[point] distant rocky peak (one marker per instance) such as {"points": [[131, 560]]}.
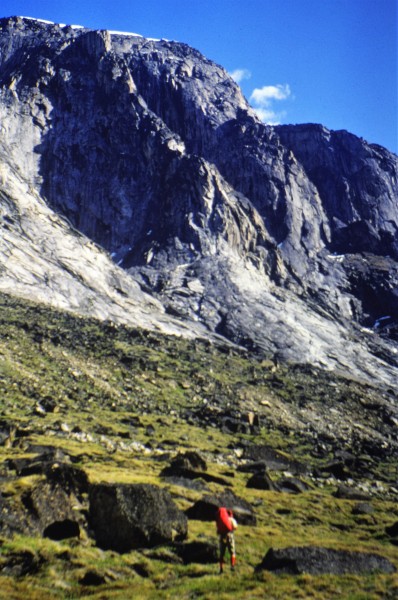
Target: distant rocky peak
{"points": [[282, 239]]}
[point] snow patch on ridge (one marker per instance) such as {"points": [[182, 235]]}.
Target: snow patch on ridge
{"points": [[38, 20], [50, 22], [126, 33]]}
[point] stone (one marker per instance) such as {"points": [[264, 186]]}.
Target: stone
{"points": [[273, 460], [347, 493], [123, 516], [54, 510], [199, 551], [363, 508], [188, 466], [259, 466], [316, 560], [336, 468], [51, 508], [206, 508], [189, 460], [20, 564], [262, 481], [293, 485]]}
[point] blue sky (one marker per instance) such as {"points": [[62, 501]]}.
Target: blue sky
{"points": [[322, 61]]}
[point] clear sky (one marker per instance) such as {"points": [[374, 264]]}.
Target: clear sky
{"points": [[322, 61]]}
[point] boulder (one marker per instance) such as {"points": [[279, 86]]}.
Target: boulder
{"points": [[316, 560], [253, 467], [262, 481], [347, 493], [189, 460], [362, 508], [206, 508], [127, 516], [202, 552], [274, 460], [236, 422], [52, 507], [191, 465], [19, 564], [337, 468], [293, 485], [54, 511]]}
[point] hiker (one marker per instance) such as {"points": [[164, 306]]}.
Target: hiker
{"points": [[226, 526]]}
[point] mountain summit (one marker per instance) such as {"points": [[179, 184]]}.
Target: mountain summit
{"points": [[137, 185]]}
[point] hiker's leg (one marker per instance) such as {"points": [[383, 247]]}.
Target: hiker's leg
{"points": [[222, 548], [231, 548]]}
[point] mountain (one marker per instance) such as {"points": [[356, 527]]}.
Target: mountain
{"points": [[196, 310], [138, 185]]}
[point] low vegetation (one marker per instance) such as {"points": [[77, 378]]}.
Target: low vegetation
{"points": [[123, 402]]}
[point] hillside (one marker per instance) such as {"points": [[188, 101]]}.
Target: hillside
{"points": [[138, 185], [196, 310], [119, 405]]}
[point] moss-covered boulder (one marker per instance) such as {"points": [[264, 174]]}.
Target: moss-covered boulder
{"points": [[316, 560], [127, 516]]}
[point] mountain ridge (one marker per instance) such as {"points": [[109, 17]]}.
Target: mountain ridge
{"points": [[277, 238]]}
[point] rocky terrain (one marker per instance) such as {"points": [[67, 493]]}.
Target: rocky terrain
{"points": [[196, 309], [117, 445], [283, 240]]}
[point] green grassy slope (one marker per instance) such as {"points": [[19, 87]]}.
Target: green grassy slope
{"points": [[116, 399]]}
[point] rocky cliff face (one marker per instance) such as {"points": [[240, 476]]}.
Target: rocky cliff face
{"points": [[282, 239]]}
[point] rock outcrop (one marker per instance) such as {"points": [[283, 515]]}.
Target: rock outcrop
{"points": [[124, 517], [206, 508], [137, 184], [316, 560]]}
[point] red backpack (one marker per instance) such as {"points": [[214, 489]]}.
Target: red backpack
{"points": [[223, 521]]}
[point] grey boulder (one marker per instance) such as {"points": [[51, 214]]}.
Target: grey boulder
{"points": [[123, 517]]}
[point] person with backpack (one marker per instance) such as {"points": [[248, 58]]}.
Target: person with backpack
{"points": [[226, 526]]}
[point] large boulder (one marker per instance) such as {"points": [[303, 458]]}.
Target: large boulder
{"points": [[50, 507], [273, 460], [127, 516], [206, 508], [54, 510], [317, 561]]}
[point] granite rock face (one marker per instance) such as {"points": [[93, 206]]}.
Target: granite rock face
{"points": [[282, 239]]}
